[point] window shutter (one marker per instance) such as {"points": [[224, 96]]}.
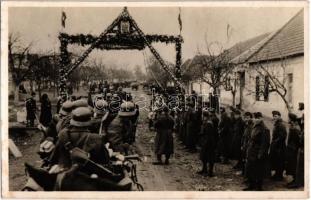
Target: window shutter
{"points": [[266, 89], [257, 88]]}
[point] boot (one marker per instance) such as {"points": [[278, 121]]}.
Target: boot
{"points": [[167, 157], [251, 186], [159, 160], [204, 169], [210, 170]]}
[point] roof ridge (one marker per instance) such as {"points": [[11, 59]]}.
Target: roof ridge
{"points": [[276, 33]]}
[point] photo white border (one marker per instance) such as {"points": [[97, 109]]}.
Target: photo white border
{"points": [[145, 195]]}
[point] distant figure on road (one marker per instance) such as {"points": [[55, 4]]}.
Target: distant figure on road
{"points": [[46, 112], [31, 108], [164, 143]]}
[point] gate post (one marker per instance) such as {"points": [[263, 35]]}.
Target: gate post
{"points": [[64, 62]]}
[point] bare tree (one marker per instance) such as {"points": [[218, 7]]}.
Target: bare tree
{"points": [[18, 65]]}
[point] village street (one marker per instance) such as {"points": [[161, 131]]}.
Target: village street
{"points": [[180, 175]]}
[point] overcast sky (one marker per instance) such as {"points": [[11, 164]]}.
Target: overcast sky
{"points": [[42, 26]]}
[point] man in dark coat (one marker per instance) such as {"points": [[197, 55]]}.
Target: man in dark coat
{"points": [[248, 119], [225, 134], [193, 128], [78, 135], [278, 146], [238, 130], [46, 110], [215, 121], [292, 147], [257, 153], [164, 143], [208, 138], [31, 109]]}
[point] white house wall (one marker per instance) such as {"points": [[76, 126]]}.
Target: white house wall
{"points": [[294, 66]]}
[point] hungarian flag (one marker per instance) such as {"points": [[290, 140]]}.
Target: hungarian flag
{"points": [[64, 19], [179, 21]]}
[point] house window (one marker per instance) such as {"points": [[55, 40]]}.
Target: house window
{"points": [[290, 88], [262, 88]]}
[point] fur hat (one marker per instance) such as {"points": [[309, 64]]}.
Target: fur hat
{"points": [[275, 112], [248, 114], [258, 115], [292, 117]]}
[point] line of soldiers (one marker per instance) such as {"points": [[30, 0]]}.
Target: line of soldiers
{"points": [[107, 125], [244, 138]]}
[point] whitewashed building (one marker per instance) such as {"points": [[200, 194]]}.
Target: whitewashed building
{"points": [[276, 57]]}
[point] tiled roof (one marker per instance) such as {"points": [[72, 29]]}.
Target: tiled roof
{"points": [[244, 48], [287, 41]]}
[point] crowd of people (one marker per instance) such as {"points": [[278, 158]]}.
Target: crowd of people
{"points": [[220, 137], [233, 135], [105, 124]]}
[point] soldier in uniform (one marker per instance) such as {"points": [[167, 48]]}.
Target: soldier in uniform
{"points": [[31, 109], [238, 130], [193, 127], [257, 153], [248, 119], [225, 135], [164, 126], [208, 138], [292, 147], [99, 120], [119, 130], [278, 146]]}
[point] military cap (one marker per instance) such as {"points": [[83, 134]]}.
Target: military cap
{"points": [[205, 112], [292, 117], [248, 114], [222, 109], [258, 115], [108, 94], [80, 103], [99, 96], [100, 107], [66, 108], [237, 112], [211, 110], [81, 117], [275, 112], [127, 109]]}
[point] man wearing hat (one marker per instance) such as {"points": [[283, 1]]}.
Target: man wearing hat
{"points": [[238, 130], [257, 153], [193, 127], [215, 120], [31, 108], [248, 119], [292, 147], [78, 135], [119, 130], [99, 120], [225, 134], [208, 138], [64, 116], [164, 126], [278, 146]]}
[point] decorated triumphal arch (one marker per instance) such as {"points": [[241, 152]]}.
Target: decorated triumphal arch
{"points": [[122, 34]]}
